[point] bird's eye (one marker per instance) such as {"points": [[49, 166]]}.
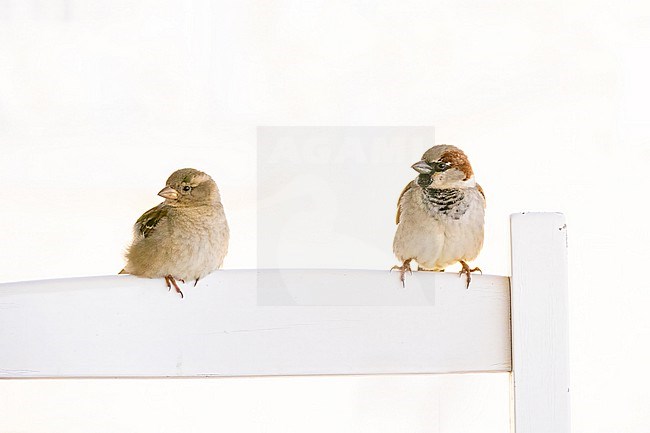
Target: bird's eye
{"points": [[441, 166], [186, 188]]}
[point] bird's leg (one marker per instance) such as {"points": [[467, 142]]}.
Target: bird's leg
{"points": [[195, 282], [467, 271], [170, 279], [406, 266]]}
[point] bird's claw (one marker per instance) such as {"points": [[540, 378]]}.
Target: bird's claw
{"points": [[402, 270], [171, 281], [468, 272]]}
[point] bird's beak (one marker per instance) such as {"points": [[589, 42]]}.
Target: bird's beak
{"points": [[168, 192], [422, 167]]}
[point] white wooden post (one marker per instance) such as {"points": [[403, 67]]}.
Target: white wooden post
{"points": [[539, 298], [297, 322]]}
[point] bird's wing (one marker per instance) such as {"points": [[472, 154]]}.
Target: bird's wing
{"points": [[399, 200], [482, 193], [146, 224]]}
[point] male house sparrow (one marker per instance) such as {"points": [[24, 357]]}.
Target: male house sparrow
{"points": [[183, 238], [440, 214]]}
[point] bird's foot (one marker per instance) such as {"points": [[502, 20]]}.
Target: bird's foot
{"points": [[406, 266], [468, 272], [171, 281]]}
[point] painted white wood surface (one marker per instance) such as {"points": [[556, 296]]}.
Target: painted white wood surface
{"points": [[267, 322], [540, 346]]}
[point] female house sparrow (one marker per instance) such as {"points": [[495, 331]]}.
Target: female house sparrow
{"points": [[183, 238], [440, 214]]}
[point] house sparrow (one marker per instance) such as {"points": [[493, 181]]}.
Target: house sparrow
{"points": [[183, 238], [440, 214]]}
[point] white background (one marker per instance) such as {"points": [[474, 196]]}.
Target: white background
{"points": [[101, 100]]}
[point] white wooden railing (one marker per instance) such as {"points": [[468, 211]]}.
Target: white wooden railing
{"points": [[303, 322]]}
